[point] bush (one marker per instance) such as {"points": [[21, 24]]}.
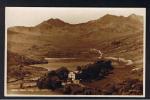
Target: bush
{"points": [[53, 79]]}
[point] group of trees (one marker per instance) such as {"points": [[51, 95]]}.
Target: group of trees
{"points": [[95, 71], [53, 79]]}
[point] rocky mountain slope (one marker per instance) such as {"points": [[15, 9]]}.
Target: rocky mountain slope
{"points": [[56, 38]]}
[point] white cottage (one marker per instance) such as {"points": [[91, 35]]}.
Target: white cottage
{"points": [[72, 76]]}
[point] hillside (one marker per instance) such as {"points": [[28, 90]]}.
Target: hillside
{"points": [[56, 38]]}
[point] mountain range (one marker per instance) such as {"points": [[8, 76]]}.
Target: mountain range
{"points": [[56, 38]]}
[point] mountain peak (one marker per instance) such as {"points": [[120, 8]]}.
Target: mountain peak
{"points": [[136, 17], [109, 16], [133, 16], [55, 21]]}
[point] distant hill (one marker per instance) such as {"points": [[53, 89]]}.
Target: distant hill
{"points": [[56, 38]]}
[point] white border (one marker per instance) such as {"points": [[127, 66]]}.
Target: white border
{"points": [[15, 95]]}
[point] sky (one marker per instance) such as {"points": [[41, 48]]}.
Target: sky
{"points": [[31, 16]]}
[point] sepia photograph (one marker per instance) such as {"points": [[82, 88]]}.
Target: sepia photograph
{"points": [[73, 51]]}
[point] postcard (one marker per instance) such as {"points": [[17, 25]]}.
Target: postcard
{"points": [[73, 51]]}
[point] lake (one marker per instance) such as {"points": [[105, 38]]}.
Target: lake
{"points": [[70, 63]]}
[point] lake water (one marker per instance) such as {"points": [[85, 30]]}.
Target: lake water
{"points": [[70, 63]]}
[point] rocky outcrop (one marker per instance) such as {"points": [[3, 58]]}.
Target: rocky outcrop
{"points": [[130, 87], [127, 87], [16, 59]]}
